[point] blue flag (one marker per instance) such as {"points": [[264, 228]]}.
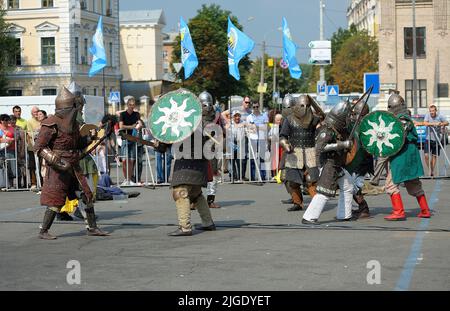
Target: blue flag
{"points": [[239, 45], [97, 50], [289, 50], [188, 56]]}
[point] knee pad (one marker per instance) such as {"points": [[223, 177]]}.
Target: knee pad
{"points": [[179, 193], [312, 175]]}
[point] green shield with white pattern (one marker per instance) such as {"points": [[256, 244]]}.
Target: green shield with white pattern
{"points": [[175, 116], [381, 133]]}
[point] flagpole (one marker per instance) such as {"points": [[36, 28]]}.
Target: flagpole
{"points": [[104, 89]]}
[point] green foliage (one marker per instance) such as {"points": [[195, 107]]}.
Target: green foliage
{"points": [[357, 55], [285, 83], [209, 35], [8, 48]]}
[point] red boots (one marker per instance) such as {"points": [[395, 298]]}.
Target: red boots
{"points": [[398, 212], [424, 210]]}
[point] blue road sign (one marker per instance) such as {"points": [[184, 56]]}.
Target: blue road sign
{"points": [[372, 78], [333, 90], [114, 97], [321, 87]]}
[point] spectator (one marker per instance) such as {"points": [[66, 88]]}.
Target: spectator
{"points": [[436, 124], [257, 129], [275, 148], [7, 134], [245, 110], [17, 112], [130, 122], [236, 140], [42, 115], [19, 136], [33, 126], [163, 165]]}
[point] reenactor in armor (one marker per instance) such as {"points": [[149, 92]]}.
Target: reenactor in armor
{"points": [[209, 116], [297, 137], [59, 143], [288, 102], [405, 166], [362, 162], [189, 176], [332, 145]]}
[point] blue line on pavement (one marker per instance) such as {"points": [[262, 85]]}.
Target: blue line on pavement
{"points": [[404, 281]]}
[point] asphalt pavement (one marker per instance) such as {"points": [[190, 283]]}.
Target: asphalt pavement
{"points": [[258, 246]]}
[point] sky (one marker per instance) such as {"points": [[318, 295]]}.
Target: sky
{"points": [[261, 19]]}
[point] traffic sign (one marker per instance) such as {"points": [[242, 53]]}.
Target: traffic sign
{"points": [[177, 66], [283, 64], [333, 90], [114, 97], [321, 87], [372, 78], [262, 88], [320, 52]]}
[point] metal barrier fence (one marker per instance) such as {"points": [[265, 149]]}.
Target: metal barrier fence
{"points": [[237, 164]]}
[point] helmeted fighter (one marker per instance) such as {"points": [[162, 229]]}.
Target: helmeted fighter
{"points": [[59, 143], [332, 145], [297, 137]]}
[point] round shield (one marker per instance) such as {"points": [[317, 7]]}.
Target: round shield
{"points": [[381, 133], [175, 116]]}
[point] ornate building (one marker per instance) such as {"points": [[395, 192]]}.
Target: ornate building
{"points": [[54, 38]]}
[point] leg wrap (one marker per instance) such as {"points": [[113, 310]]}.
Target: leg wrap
{"points": [[49, 217], [90, 217]]}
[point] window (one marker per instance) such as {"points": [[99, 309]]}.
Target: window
{"points": [[48, 51], [16, 59], [95, 91], [420, 42], [47, 3], [442, 90], [49, 92], [85, 52], [94, 6], [83, 5], [129, 41], [77, 51], [110, 54], [165, 54], [13, 4], [15, 92], [108, 8], [139, 42], [421, 93]]}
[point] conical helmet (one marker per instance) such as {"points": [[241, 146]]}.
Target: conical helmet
{"points": [[65, 99]]}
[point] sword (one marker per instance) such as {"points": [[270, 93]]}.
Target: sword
{"points": [[365, 96], [136, 139], [317, 107]]}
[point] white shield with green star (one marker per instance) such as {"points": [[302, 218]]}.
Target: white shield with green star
{"points": [[175, 116], [381, 133]]}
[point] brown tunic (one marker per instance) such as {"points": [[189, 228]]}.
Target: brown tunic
{"points": [[57, 184]]}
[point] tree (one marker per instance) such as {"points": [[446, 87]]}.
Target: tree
{"points": [[9, 49], [357, 55], [285, 83], [209, 35]]}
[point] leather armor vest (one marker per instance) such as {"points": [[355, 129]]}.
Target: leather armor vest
{"points": [[300, 136]]}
